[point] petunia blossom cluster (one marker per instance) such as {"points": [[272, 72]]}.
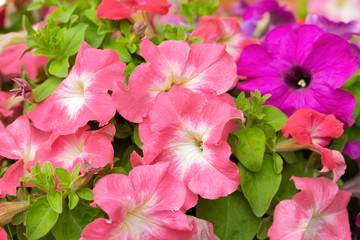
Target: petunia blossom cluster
{"points": [[199, 120]]}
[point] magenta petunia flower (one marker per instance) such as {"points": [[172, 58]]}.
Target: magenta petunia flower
{"points": [[190, 131], [83, 95], [345, 30], [317, 212], [301, 69], [144, 205]]}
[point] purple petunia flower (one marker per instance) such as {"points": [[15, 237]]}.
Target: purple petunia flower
{"points": [[345, 30], [254, 12], [301, 69]]}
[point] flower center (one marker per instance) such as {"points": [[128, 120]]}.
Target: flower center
{"points": [[297, 77]]}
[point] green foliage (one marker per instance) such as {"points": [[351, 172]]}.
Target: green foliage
{"points": [[43, 178], [231, 216], [260, 187], [40, 219], [192, 10], [72, 222], [250, 148], [41, 92]]}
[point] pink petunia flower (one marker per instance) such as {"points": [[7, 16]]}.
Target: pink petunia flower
{"points": [[67, 151], [317, 212], [226, 31], [3, 234], [205, 229], [144, 205], [190, 131], [200, 67], [302, 68], [11, 63], [20, 140], [83, 95], [313, 130], [117, 10]]}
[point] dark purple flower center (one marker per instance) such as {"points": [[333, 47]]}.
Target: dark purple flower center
{"points": [[297, 77]]}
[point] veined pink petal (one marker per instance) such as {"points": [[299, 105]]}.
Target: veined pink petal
{"points": [[202, 68], [20, 140], [144, 205], [317, 212], [188, 130], [11, 179], [226, 31], [83, 95], [69, 150], [117, 10]]}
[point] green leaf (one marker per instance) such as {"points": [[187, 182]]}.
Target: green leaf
{"points": [[339, 143], [125, 28], [40, 219], [93, 38], [123, 130], [21, 232], [289, 157], [86, 194], [59, 67], [72, 39], [28, 26], [73, 200], [76, 170], [44, 52], [273, 117], [47, 169], [28, 107], [55, 200], [260, 187], [120, 47], [19, 218], [250, 148], [231, 216], [46, 88], [136, 137], [71, 223], [63, 175], [34, 5], [287, 188], [278, 163], [63, 14], [263, 228]]}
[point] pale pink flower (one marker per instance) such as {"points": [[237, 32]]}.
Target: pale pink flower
{"points": [[313, 130], [190, 131], [144, 205], [83, 95], [67, 151], [226, 31], [20, 140], [205, 229], [11, 63], [200, 67], [317, 212]]}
